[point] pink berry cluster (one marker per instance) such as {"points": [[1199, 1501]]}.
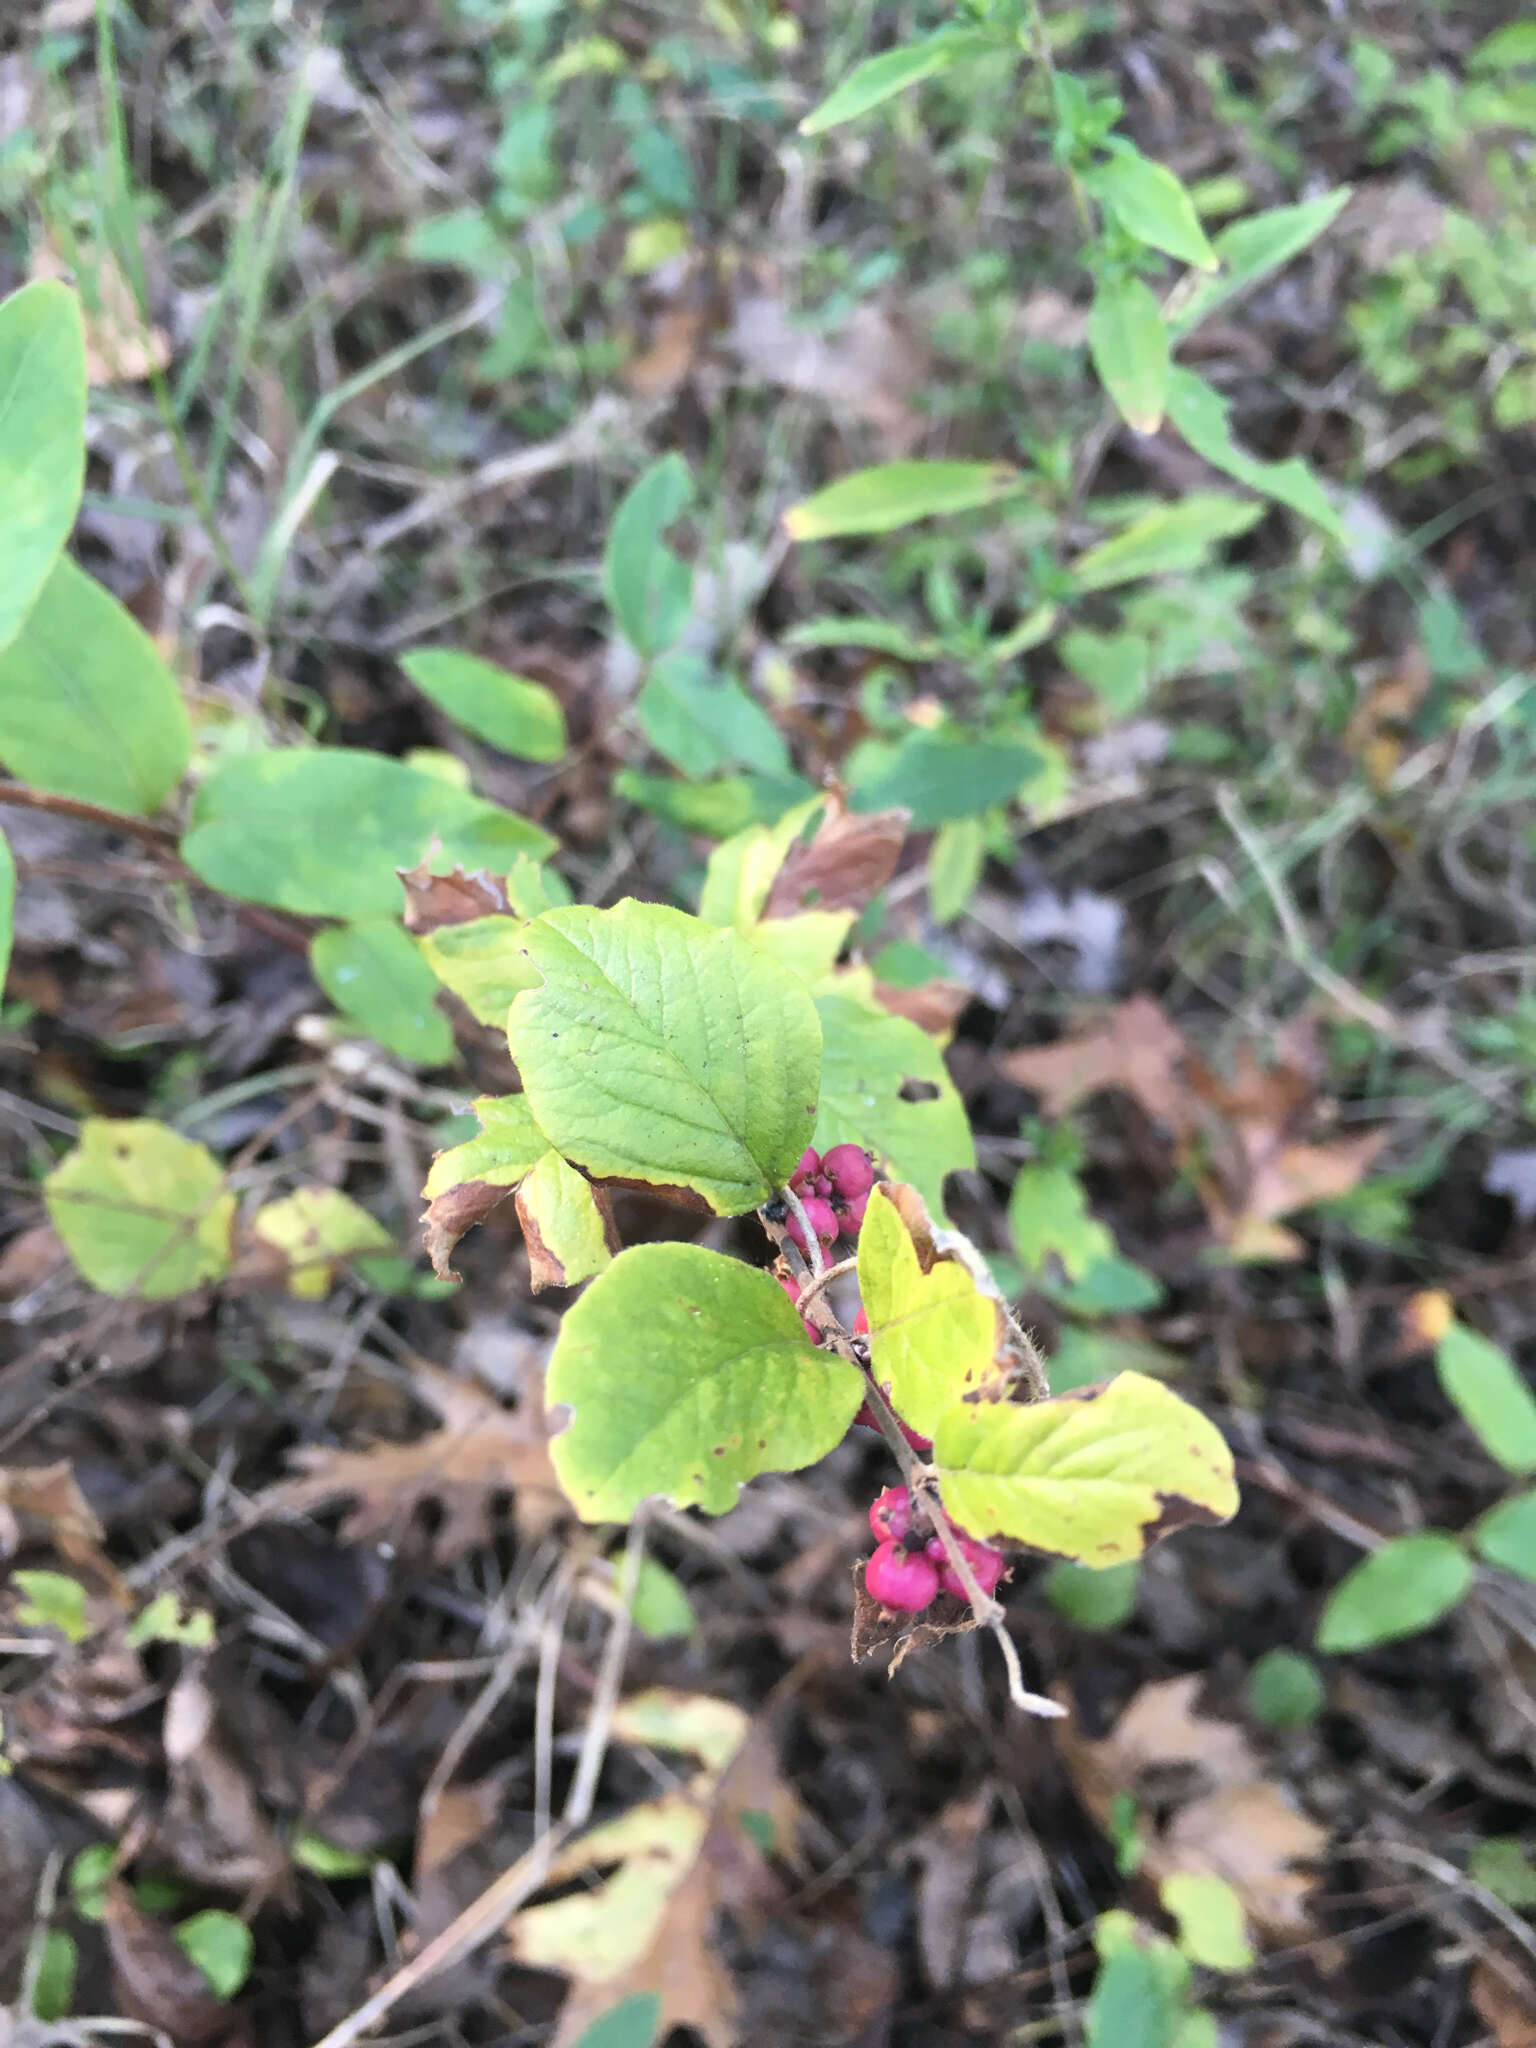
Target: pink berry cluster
{"points": [[833, 1187], [910, 1569]]}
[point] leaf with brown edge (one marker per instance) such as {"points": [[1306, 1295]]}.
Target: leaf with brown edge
{"points": [[845, 864], [482, 1450], [645, 1925], [568, 1226], [468, 1181], [933, 1006], [459, 897], [1096, 1475]]}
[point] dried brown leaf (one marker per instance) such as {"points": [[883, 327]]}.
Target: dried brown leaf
{"points": [[482, 1450], [459, 897], [448, 1216], [1504, 1996], [869, 369], [933, 1006], [1136, 1048], [1223, 1817], [44, 1502], [119, 347], [845, 865]]}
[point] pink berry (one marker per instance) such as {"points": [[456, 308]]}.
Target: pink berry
{"points": [[900, 1579], [890, 1514], [809, 1167], [793, 1292], [853, 1215], [861, 1323], [850, 1171], [987, 1565], [822, 1186], [819, 1215]]}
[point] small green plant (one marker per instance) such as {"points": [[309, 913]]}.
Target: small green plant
{"points": [[1412, 1582], [1143, 1993], [727, 1057]]}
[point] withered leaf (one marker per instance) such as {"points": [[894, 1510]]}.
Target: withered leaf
{"points": [[847, 862], [1136, 1048], [453, 1213], [459, 897], [482, 1450]]}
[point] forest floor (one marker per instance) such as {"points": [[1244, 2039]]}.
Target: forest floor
{"points": [[430, 285]]}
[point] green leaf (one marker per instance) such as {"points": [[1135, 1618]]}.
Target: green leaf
{"points": [[53, 1988], [807, 944], [1200, 414], [164, 1620], [1128, 2007], [1250, 249], [507, 711], [87, 706], [89, 1875], [1129, 346], [7, 905], [688, 1374], [42, 439], [1209, 1915], [315, 1228], [662, 1610], [52, 1600], [716, 809], [1048, 1216], [649, 591], [955, 863], [1172, 537], [879, 636], [1502, 1864], [1285, 1690], [880, 78], [141, 1209], [1506, 49], [509, 1147], [661, 1049], [324, 830], [483, 963], [743, 868], [374, 973], [533, 888], [702, 723], [1409, 1584], [933, 1334], [1083, 1356], [939, 776], [1150, 203], [868, 1058], [1112, 1286], [895, 494], [221, 1946], [1098, 1600], [563, 1227], [1489, 1393], [329, 1859], [1117, 667], [1096, 1475], [1506, 1535], [632, 2023]]}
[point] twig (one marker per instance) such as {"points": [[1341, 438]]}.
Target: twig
{"points": [[22, 796], [812, 1241], [479, 1920], [824, 1280], [989, 1612], [610, 1676]]}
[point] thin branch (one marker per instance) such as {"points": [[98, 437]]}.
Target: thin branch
{"points": [[812, 1241]]}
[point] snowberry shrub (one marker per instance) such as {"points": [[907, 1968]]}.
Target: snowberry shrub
{"points": [[735, 1065]]}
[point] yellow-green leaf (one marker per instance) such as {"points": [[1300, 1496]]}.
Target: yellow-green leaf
{"points": [[511, 712], [1095, 1475], [1129, 346], [895, 494], [563, 1228], [141, 1209], [687, 1374], [1491, 1396], [934, 1335], [483, 963], [314, 1229], [509, 1146], [661, 1049]]}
